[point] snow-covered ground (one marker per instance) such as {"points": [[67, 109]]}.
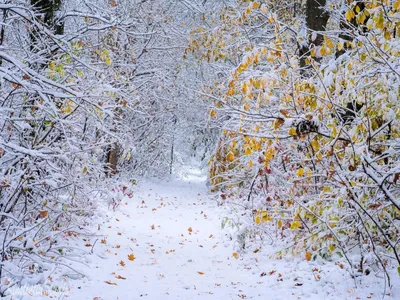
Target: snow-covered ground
{"points": [[166, 242]]}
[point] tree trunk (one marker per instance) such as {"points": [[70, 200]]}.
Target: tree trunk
{"points": [[48, 9], [316, 19], [112, 160]]}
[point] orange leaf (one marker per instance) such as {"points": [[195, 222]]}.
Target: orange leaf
{"points": [[131, 257], [190, 229], [111, 283], [43, 213], [308, 256], [201, 273], [122, 263], [235, 255], [120, 277]]}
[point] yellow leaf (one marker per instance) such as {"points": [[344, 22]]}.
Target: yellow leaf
{"points": [[230, 157], [52, 65], [315, 145], [250, 163], [131, 257], [235, 255], [331, 248], [213, 113], [300, 172], [279, 224], [269, 154], [349, 15], [278, 123], [295, 225], [396, 5], [247, 150], [292, 131], [108, 61], [257, 219]]}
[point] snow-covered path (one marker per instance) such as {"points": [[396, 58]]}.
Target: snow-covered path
{"points": [[166, 242], [174, 233]]}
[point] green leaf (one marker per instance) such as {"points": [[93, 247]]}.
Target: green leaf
{"points": [[398, 270]]}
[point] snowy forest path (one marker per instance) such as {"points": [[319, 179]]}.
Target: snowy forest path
{"points": [[174, 232], [166, 242]]}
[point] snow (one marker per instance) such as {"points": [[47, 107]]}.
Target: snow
{"points": [[173, 229]]}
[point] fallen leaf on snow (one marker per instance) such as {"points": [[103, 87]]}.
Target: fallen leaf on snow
{"points": [[190, 229], [131, 257], [308, 255], [235, 255], [120, 277], [122, 263], [110, 283], [201, 273]]}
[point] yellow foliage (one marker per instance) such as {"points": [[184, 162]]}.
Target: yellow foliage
{"points": [[300, 172], [295, 225], [230, 157], [349, 15]]}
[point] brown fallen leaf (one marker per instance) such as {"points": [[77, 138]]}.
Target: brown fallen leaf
{"points": [[110, 283], [131, 257], [190, 229], [152, 227], [298, 284], [210, 236], [119, 233], [122, 263], [120, 277], [88, 245], [201, 273], [117, 246]]}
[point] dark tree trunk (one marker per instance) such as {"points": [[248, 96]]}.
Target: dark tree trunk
{"points": [[316, 19], [112, 160], [48, 9]]}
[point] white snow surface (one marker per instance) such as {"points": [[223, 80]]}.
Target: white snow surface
{"points": [[173, 229]]}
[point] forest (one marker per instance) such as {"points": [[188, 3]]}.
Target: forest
{"points": [[290, 108]]}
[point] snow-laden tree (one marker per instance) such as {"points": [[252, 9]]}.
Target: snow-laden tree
{"points": [[88, 89], [309, 113]]}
